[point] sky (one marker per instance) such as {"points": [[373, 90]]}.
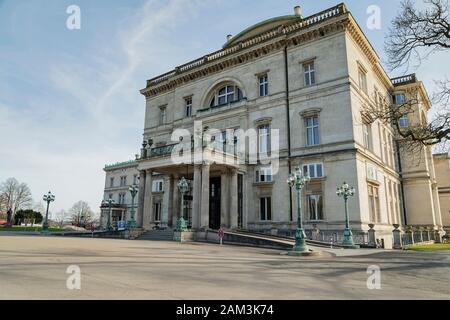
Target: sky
{"points": [[70, 101]]}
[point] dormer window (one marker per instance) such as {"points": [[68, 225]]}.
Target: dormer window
{"points": [[226, 95]]}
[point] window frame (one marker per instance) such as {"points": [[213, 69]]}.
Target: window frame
{"points": [[309, 73], [317, 217], [264, 130], [188, 107], [264, 175], [162, 115], [362, 79], [263, 85], [315, 165], [313, 127], [266, 204]]}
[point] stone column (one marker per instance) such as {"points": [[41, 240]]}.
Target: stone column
{"points": [[397, 237], [141, 197], [170, 201], [148, 201], [372, 242], [165, 203], [224, 201], [233, 199], [204, 210], [176, 201], [196, 195]]}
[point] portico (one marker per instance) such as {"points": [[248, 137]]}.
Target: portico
{"points": [[210, 203]]}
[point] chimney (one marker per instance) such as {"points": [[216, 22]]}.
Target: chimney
{"points": [[298, 11], [229, 37]]}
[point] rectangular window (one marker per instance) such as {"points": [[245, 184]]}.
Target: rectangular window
{"points": [[158, 186], [135, 179], [367, 136], [310, 75], [264, 139], [403, 122], [362, 79], [264, 175], [315, 207], [111, 182], [266, 209], [312, 131], [263, 86], [157, 211], [188, 107], [123, 181], [313, 170], [121, 198], [374, 203], [162, 115], [399, 98], [110, 196]]}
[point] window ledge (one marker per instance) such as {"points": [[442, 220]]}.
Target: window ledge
{"points": [[263, 184]]}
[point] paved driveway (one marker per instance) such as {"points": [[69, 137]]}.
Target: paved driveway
{"points": [[35, 268]]}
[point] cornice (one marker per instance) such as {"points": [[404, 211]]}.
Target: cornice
{"points": [[308, 29]]}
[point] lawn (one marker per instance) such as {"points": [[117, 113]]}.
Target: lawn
{"points": [[431, 247], [29, 229]]}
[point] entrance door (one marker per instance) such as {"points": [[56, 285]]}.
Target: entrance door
{"points": [[214, 203]]}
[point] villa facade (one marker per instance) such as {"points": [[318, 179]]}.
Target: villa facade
{"points": [[294, 89]]}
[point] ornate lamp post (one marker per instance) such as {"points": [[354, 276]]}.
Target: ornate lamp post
{"points": [[47, 198], [110, 203], [298, 180], [132, 222], [183, 187], [345, 191]]}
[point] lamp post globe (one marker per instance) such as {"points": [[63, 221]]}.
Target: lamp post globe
{"points": [[298, 181], [346, 191], [183, 187], [49, 197]]}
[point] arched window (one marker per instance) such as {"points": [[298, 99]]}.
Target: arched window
{"points": [[226, 94]]}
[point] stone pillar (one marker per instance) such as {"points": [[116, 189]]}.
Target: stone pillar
{"points": [[224, 202], [148, 201], [372, 242], [141, 197], [170, 189], [176, 201], [233, 200], [204, 211], [165, 203], [196, 195], [397, 236]]}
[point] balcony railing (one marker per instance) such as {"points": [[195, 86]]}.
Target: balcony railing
{"points": [[410, 78], [164, 151]]}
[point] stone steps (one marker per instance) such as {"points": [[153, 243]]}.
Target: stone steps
{"points": [[157, 235]]}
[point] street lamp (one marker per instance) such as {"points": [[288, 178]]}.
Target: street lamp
{"points": [[345, 191], [47, 198], [110, 203], [298, 180], [183, 187], [133, 190]]}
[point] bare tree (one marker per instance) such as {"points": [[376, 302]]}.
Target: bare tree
{"points": [[15, 195], [81, 214], [414, 36], [60, 217]]}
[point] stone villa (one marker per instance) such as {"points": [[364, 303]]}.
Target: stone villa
{"points": [[300, 83]]}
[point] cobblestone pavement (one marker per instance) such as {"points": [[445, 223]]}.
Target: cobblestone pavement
{"points": [[35, 268]]}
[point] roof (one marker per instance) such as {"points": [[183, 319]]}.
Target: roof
{"points": [[125, 164], [262, 27]]}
